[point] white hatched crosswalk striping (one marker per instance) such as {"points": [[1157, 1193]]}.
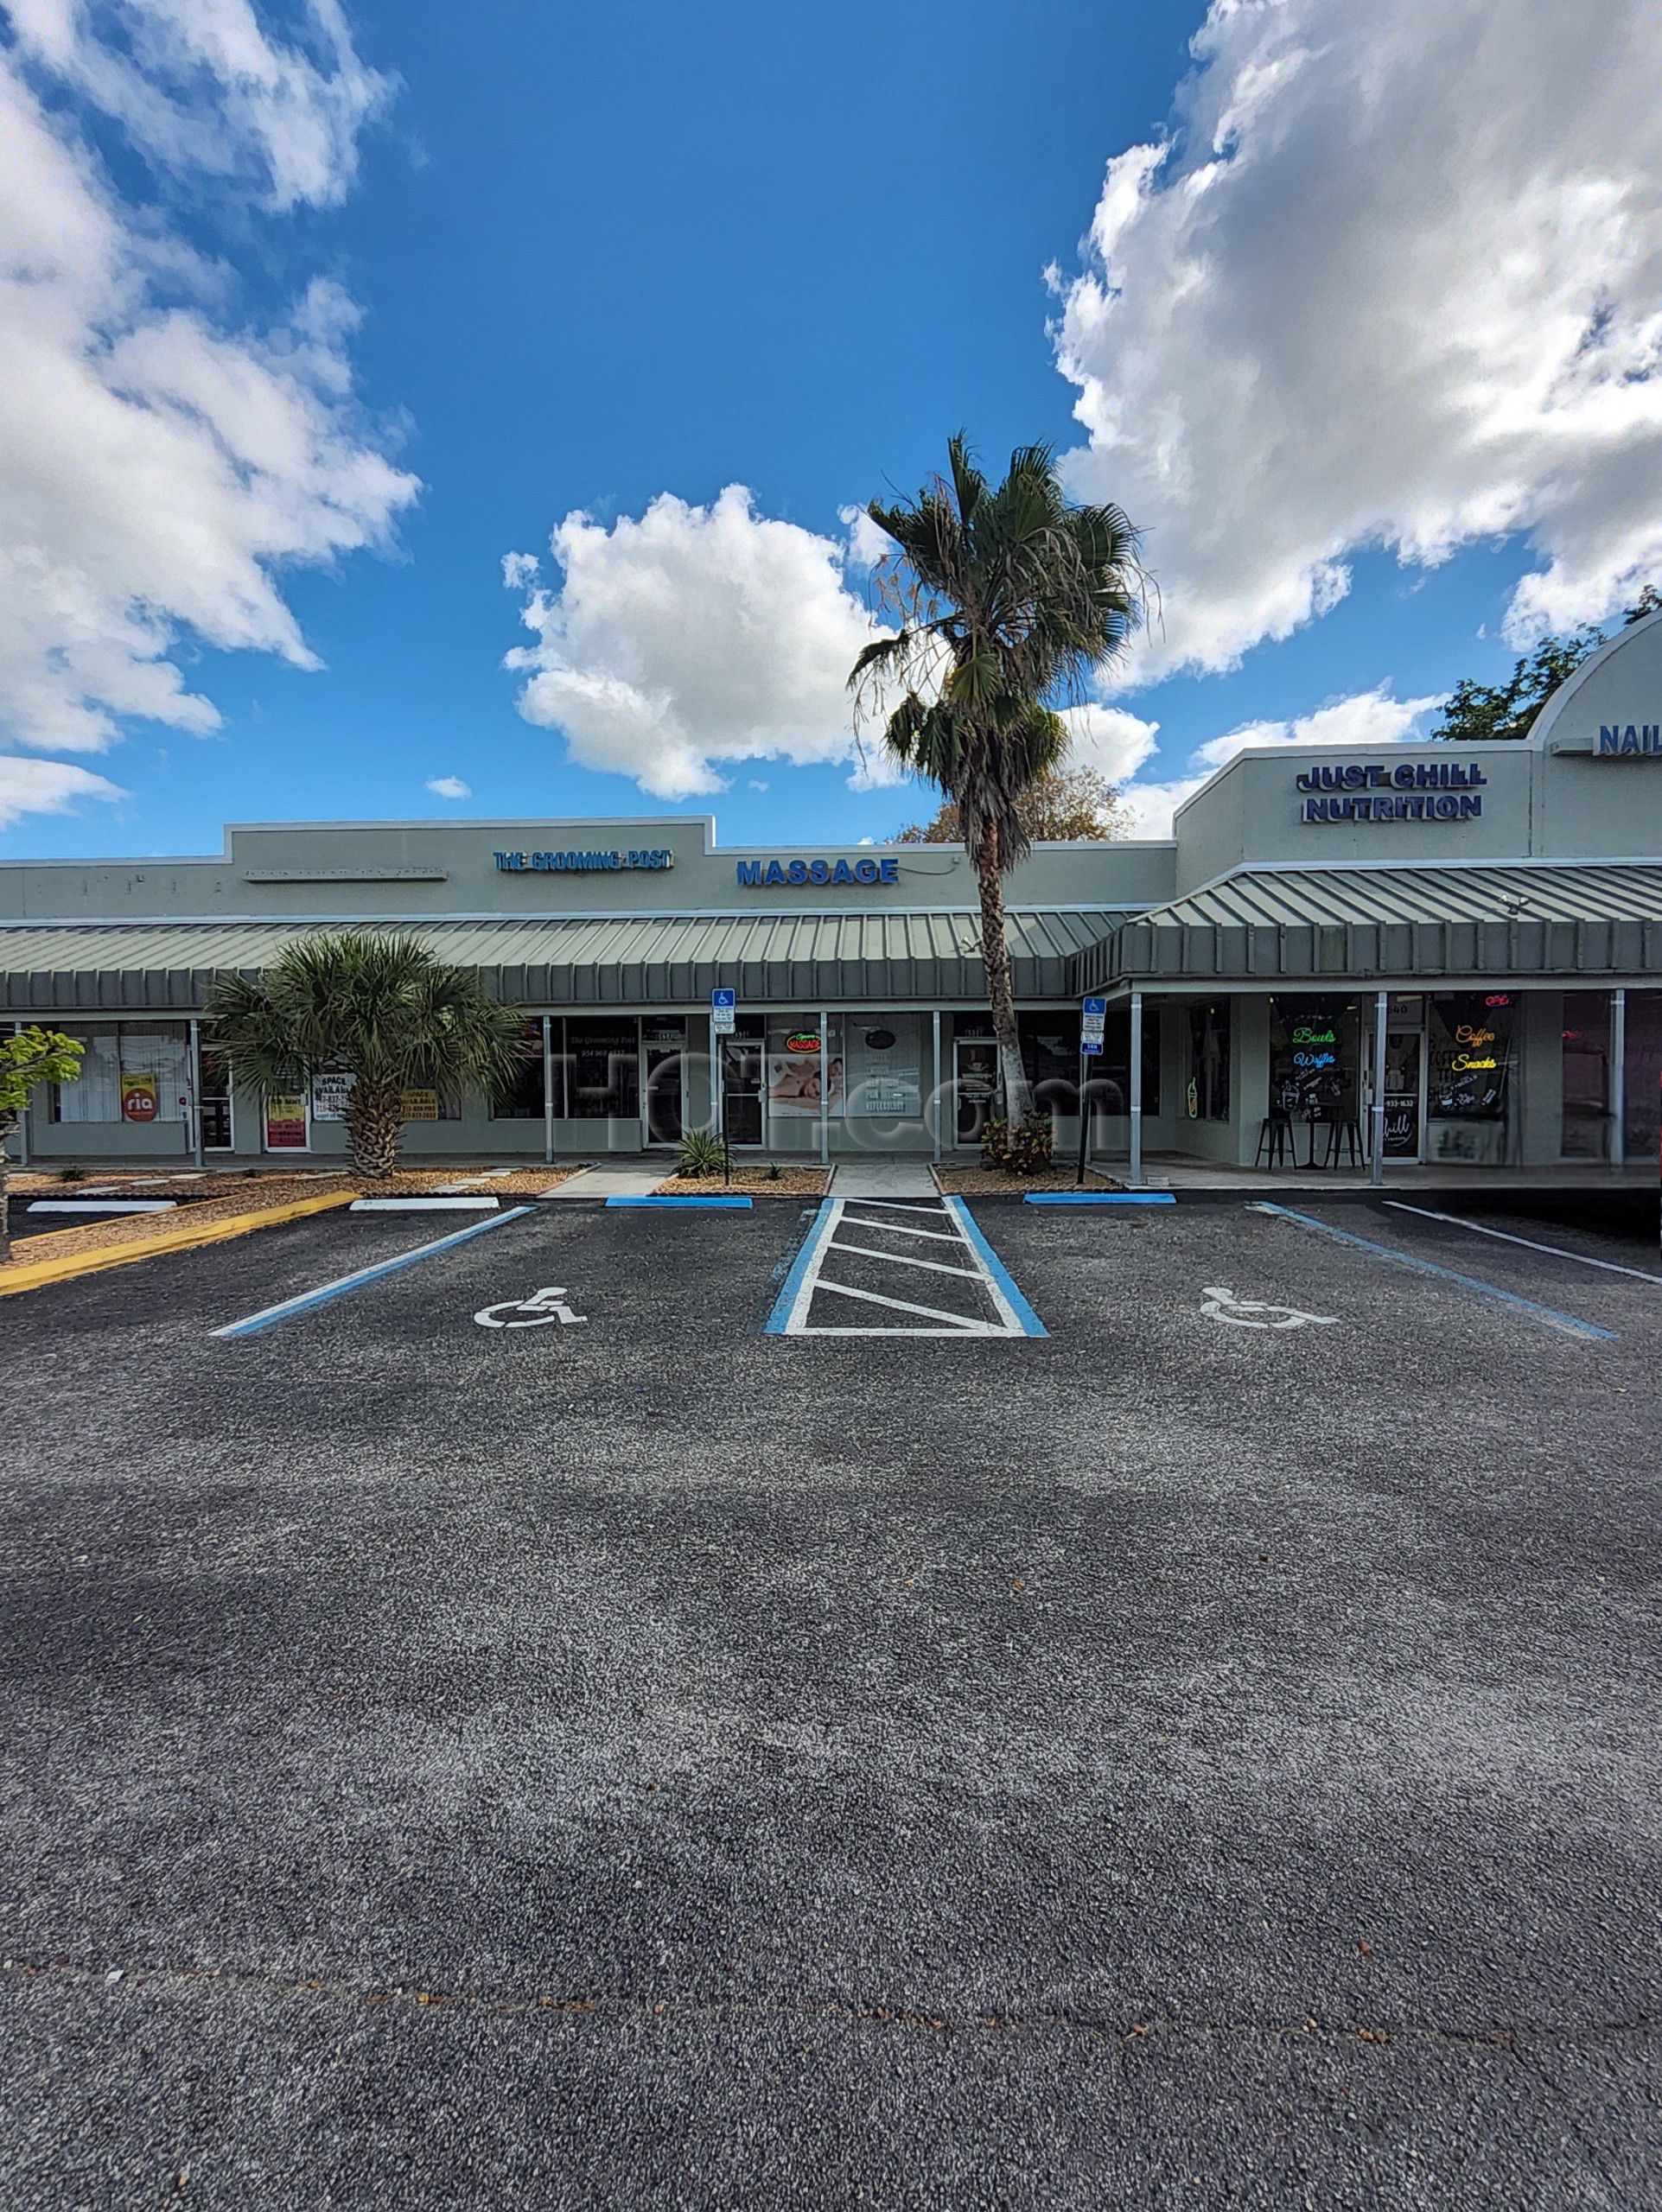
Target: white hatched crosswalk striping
{"points": [[860, 1273]]}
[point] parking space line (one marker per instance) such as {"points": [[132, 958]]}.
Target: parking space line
{"points": [[965, 1323], [904, 1229], [1506, 1236], [905, 1260], [1001, 1284], [1549, 1316], [306, 1300], [793, 1310]]}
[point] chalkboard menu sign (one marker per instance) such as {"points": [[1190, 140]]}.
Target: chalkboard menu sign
{"points": [[1469, 1068]]}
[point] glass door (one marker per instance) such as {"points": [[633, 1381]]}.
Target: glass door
{"points": [[975, 1086], [741, 1072], [663, 1061], [1404, 1093], [214, 1104]]}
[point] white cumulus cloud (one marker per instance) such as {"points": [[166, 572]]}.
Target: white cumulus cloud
{"points": [[449, 787], [161, 459], [1109, 739], [199, 86], [695, 636], [1394, 281], [1374, 717], [47, 787], [1362, 718]]}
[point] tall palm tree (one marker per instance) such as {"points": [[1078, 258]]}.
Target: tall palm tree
{"points": [[1008, 598], [379, 1008]]}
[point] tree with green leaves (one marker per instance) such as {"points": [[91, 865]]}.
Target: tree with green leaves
{"points": [[1475, 712], [1007, 598], [26, 1060], [380, 1009], [1066, 805]]}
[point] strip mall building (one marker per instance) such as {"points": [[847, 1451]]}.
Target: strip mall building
{"points": [[1397, 954]]}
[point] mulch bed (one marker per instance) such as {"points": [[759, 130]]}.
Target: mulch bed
{"points": [[990, 1182], [748, 1183], [214, 1196]]}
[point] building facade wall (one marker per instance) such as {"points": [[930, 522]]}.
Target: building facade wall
{"points": [[1585, 786]]}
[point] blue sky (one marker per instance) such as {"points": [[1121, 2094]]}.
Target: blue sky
{"points": [[366, 304]]}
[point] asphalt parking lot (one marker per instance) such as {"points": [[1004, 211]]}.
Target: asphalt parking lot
{"points": [[619, 1752]]}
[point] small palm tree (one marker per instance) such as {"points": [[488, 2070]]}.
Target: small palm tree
{"points": [[380, 1008], [1008, 599]]}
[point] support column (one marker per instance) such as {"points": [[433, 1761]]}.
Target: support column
{"points": [[717, 1102], [825, 1088], [196, 1160], [548, 1089], [1376, 1163], [1619, 1078], [935, 1096], [22, 1116], [1134, 1177]]}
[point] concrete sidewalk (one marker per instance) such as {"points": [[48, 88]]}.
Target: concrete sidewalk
{"points": [[878, 1177], [628, 1179]]}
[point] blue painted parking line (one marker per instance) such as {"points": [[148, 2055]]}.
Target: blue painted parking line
{"points": [[969, 1287], [270, 1315], [1100, 1198], [1022, 1314], [1548, 1316], [718, 1204], [785, 1304]]}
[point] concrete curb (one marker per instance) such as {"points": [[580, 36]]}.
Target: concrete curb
{"points": [[41, 1272]]}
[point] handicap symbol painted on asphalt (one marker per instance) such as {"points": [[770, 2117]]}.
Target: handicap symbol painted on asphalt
{"points": [[1253, 1313], [533, 1313]]}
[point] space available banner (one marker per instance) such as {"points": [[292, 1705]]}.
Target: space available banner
{"points": [[331, 1090]]}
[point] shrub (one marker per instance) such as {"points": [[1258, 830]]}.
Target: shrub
{"points": [[72, 1174], [1026, 1150], [700, 1153]]}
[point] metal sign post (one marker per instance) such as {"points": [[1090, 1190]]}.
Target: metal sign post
{"points": [[1093, 1018], [723, 1021]]}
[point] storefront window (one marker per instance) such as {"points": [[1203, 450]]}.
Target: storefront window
{"points": [[132, 1072], [1316, 1059], [602, 1070], [1050, 1054], [879, 1068], [1468, 1038], [1207, 1098], [1586, 1067], [1642, 1076], [796, 1070], [523, 1100]]}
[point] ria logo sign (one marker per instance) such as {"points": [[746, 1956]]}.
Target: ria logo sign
{"points": [[1629, 738]]}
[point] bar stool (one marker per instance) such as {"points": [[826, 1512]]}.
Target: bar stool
{"points": [[1275, 1138], [1344, 1135]]}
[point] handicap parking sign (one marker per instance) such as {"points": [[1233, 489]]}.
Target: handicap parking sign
{"points": [[723, 1006], [1093, 1017]]}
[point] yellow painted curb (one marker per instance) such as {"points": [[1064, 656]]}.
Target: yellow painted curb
{"points": [[172, 1240]]}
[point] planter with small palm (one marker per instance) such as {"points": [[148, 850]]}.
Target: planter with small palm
{"points": [[1008, 599], [378, 1008]]}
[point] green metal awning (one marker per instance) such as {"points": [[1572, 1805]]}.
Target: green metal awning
{"points": [[1566, 921], [784, 959]]}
